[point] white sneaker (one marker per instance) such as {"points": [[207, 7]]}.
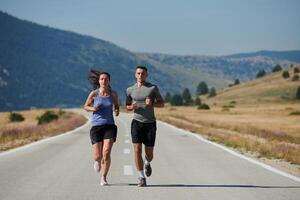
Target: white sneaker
{"points": [[103, 182], [97, 166]]}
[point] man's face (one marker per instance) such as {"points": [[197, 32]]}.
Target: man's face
{"points": [[140, 75]]}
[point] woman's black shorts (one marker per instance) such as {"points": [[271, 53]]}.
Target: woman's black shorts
{"points": [[106, 131], [143, 133]]}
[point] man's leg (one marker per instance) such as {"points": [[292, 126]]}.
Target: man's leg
{"points": [[148, 159], [138, 159]]}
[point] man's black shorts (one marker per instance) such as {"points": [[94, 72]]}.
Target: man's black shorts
{"points": [[99, 133], [143, 133]]}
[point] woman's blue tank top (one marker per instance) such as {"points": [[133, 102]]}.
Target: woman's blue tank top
{"points": [[104, 115]]}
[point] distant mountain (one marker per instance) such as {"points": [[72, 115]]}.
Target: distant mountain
{"points": [[293, 56], [46, 67]]}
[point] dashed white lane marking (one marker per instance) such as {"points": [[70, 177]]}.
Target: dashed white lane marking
{"points": [[127, 141], [128, 170], [126, 151]]}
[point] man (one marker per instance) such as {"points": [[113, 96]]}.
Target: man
{"points": [[141, 98]]}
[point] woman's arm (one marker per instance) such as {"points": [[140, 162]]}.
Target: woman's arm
{"points": [[88, 103]]}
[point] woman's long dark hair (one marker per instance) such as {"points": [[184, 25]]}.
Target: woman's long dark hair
{"points": [[94, 75]]}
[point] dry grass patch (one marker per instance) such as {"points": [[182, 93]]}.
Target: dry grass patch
{"points": [[19, 133], [268, 129]]}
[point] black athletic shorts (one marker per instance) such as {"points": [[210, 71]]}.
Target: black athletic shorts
{"points": [[143, 133], [99, 133]]}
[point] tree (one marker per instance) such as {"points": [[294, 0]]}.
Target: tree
{"points": [[295, 77], [176, 100], [296, 70], [298, 93], [285, 74], [202, 88], [237, 81], [261, 73], [186, 97], [197, 101], [277, 68], [212, 92], [168, 97]]}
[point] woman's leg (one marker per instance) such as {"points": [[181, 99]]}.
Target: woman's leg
{"points": [[107, 146], [97, 155]]}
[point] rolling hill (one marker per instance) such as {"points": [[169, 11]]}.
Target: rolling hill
{"points": [[42, 66]]}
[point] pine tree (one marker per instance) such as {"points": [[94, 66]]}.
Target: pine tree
{"points": [[197, 101], [176, 100], [212, 92], [168, 97], [186, 97], [277, 68], [202, 88]]}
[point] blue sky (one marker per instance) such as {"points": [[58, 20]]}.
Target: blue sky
{"points": [[183, 27]]}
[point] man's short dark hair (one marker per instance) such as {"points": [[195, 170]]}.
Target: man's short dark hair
{"points": [[141, 67]]}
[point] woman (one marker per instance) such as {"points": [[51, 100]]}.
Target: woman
{"points": [[102, 102]]}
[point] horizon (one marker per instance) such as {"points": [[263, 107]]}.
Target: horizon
{"points": [[222, 33]]}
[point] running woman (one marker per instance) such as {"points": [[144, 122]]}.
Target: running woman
{"points": [[102, 102], [142, 97]]}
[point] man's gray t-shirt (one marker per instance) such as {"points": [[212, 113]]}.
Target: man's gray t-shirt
{"points": [[144, 113]]}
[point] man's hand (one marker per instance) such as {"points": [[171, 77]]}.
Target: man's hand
{"points": [[148, 101]]}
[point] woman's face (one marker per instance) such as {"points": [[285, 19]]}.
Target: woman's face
{"points": [[104, 80]]}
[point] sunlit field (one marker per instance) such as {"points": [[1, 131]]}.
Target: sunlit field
{"points": [[14, 134]]}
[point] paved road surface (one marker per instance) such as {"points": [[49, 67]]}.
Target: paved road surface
{"points": [[183, 168]]}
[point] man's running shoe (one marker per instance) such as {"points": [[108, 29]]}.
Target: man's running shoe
{"points": [[142, 182], [148, 170], [97, 166]]}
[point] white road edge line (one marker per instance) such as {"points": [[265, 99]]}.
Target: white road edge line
{"points": [[272, 169]]}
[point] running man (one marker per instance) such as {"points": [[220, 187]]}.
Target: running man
{"points": [[141, 98], [102, 102]]}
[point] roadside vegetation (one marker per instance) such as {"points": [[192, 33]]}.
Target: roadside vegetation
{"points": [[259, 116], [20, 128]]}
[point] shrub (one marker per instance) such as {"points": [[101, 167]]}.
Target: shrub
{"points": [[261, 73], [203, 107], [47, 117], [285, 74], [296, 70], [61, 112], [277, 68], [295, 113], [295, 77], [298, 93], [16, 117]]}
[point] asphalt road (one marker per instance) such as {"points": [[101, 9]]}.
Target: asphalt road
{"points": [[184, 167]]}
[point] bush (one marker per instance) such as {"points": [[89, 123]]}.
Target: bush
{"points": [[61, 112], [47, 117], [295, 113], [295, 77], [277, 68], [296, 70], [298, 93], [16, 117], [203, 107], [261, 73], [285, 74]]}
